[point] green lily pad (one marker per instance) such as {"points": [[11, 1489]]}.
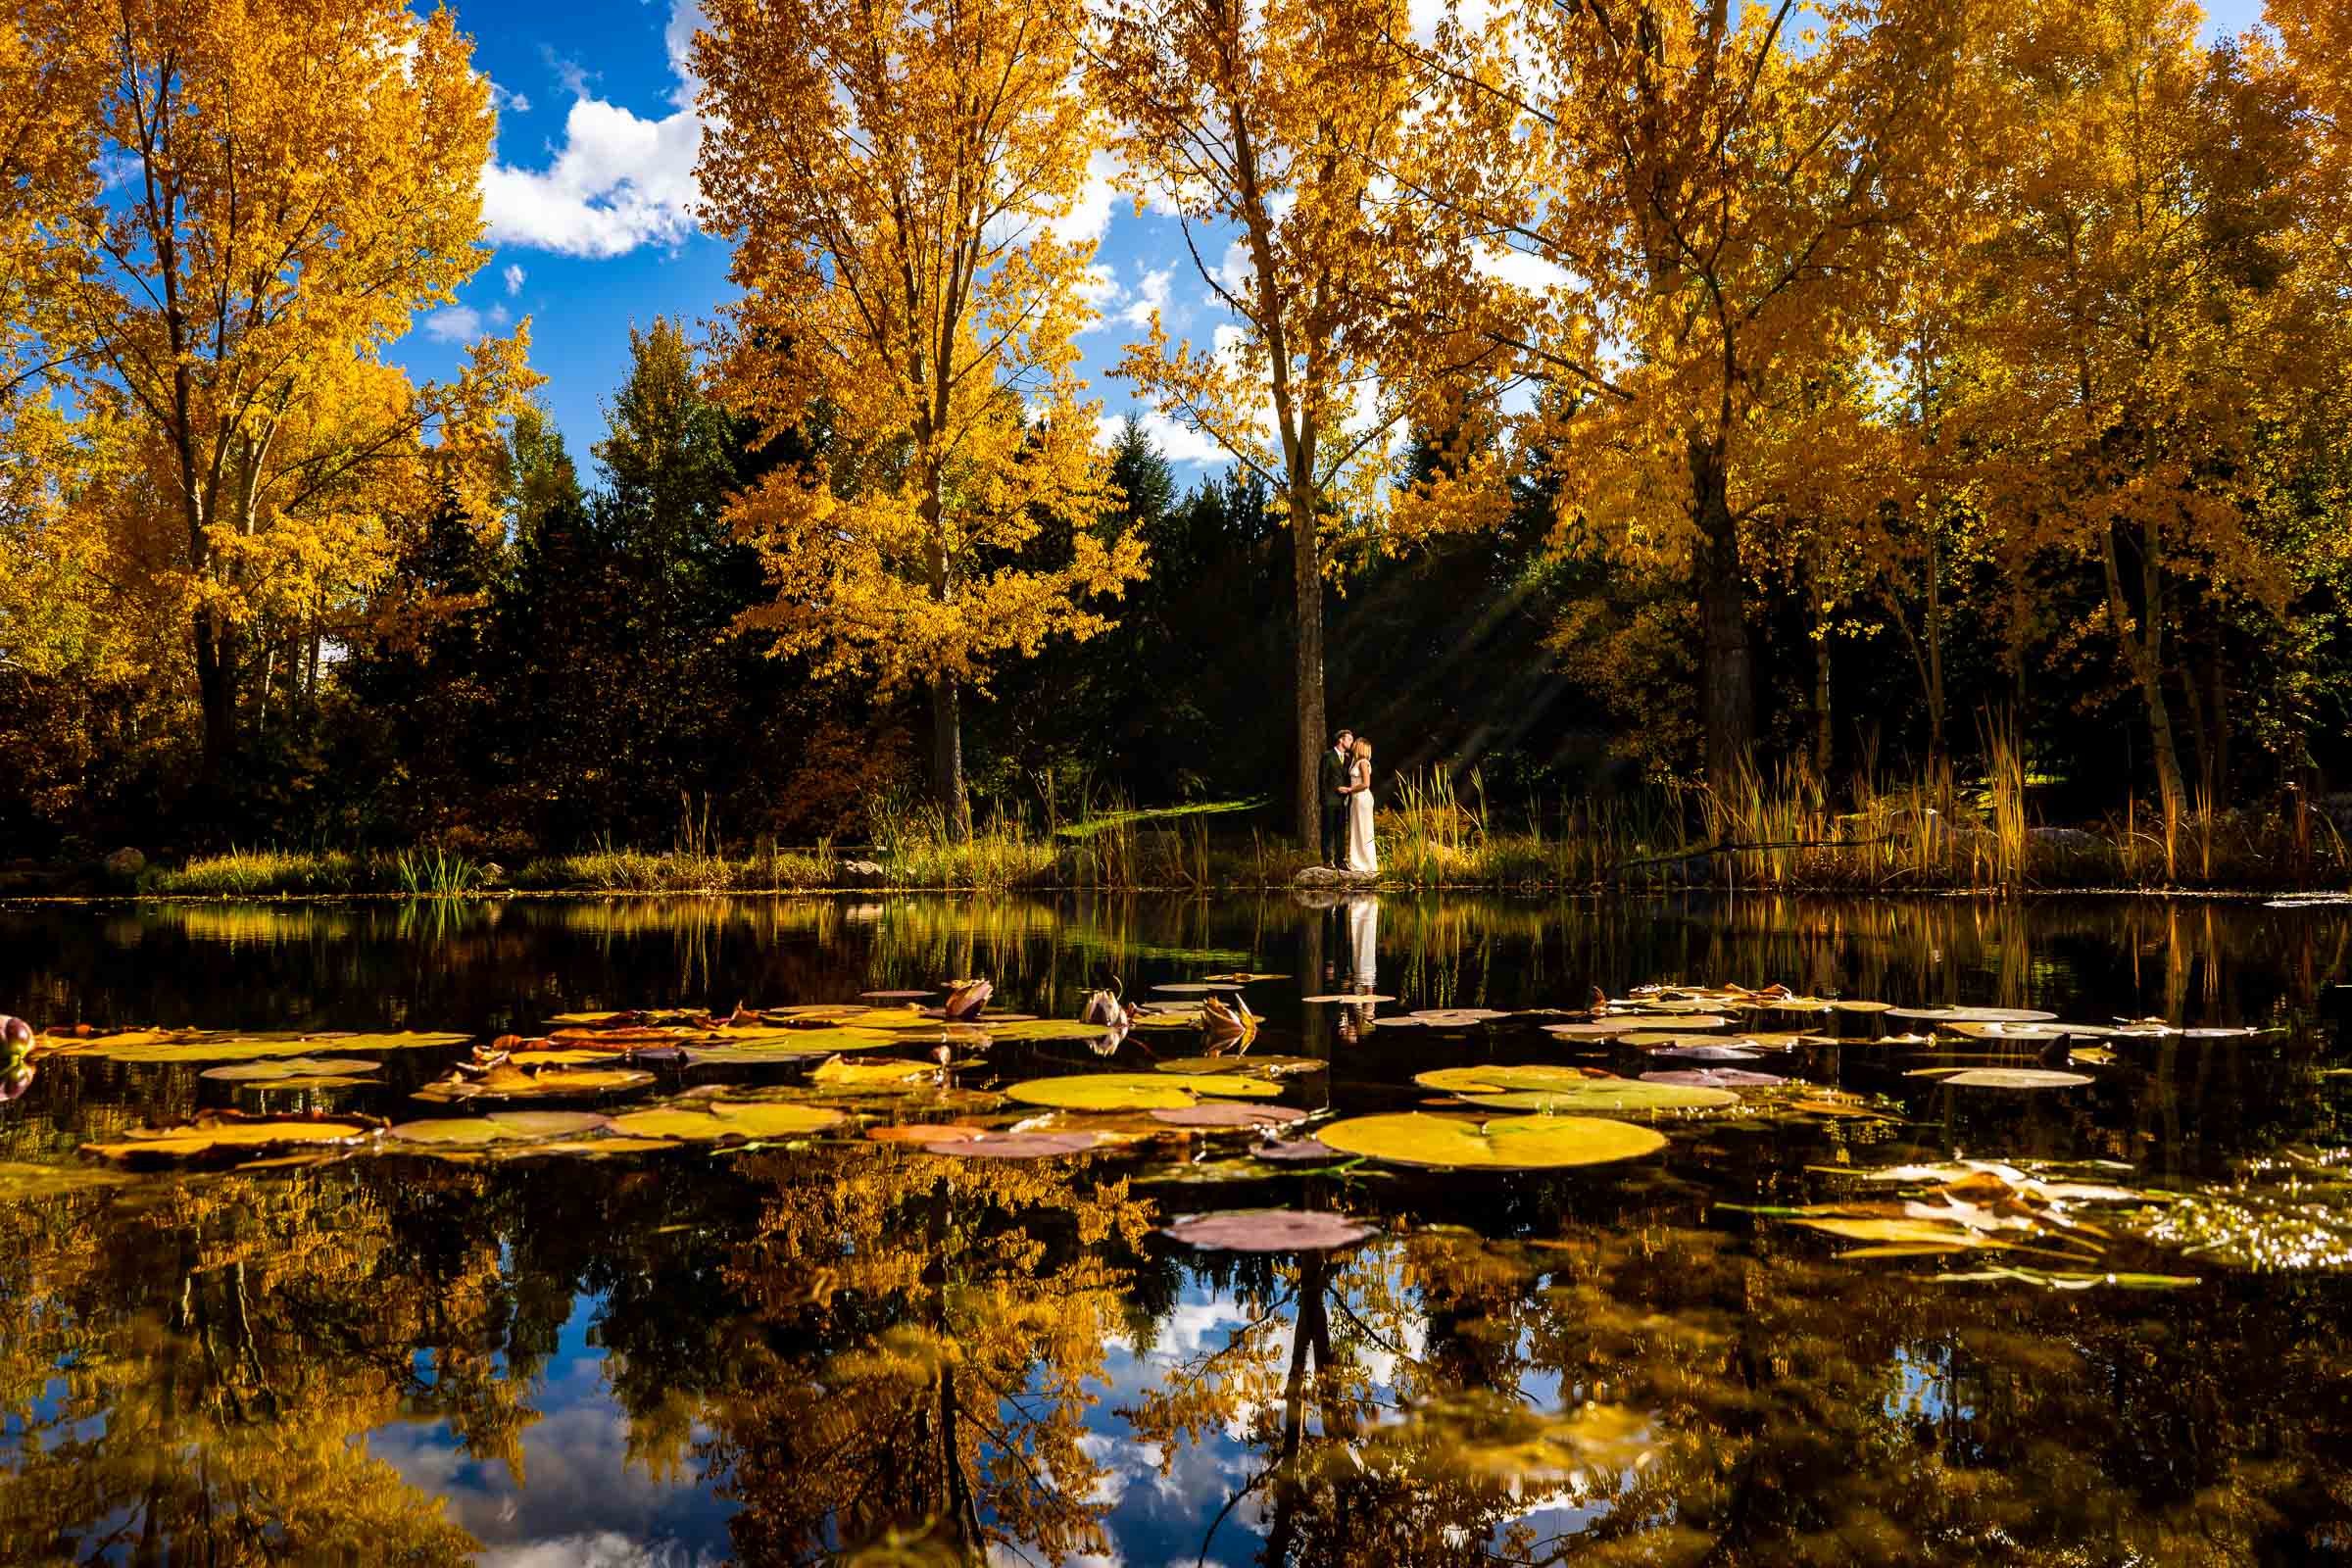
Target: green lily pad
{"points": [[1516, 1143], [1039, 1030], [723, 1120], [1133, 1091]]}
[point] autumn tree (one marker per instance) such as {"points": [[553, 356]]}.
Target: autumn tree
{"points": [[896, 179], [287, 185], [2147, 323], [1271, 126], [1691, 199]]}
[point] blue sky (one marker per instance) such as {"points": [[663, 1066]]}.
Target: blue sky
{"points": [[587, 205]]}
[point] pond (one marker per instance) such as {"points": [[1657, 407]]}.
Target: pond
{"points": [[1787, 1325]]}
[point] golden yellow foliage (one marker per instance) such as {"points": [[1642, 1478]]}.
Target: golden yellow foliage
{"points": [[896, 179], [295, 181]]}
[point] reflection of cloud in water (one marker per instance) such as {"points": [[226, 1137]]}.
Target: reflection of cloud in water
{"points": [[604, 1549], [583, 1505]]}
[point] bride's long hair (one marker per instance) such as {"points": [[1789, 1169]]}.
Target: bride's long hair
{"points": [[1363, 749]]}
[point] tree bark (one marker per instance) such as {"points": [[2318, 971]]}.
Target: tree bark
{"points": [[216, 694], [2142, 639], [1725, 669], [1306, 576], [947, 755]]}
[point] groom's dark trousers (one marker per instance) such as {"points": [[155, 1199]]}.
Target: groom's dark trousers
{"points": [[1335, 808]]}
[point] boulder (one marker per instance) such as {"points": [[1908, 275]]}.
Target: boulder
{"points": [[126, 864]]}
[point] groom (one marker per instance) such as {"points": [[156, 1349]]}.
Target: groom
{"points": [[1332, 775]]}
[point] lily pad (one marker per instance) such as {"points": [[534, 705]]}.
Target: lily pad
{"points": [[728, 1120], [505, 1127], [1860, 1004], [897, 995], [1607, 1094], [2018, 1078], [852, 1076], [1254, 1066], [1016, 1145], [1039, 1030], [1269, 1230], [1225, 1113], [509, 1082], [1517, 1143], [1296, 1151], [1348, 998], [222, 1135], [1715, 1078], [925, 1132], [1604, 1029], [203, 1045], [1496, 1079], [1242, 978], [1135, 1090], [1687, 1022], [1971, 1014], [789, 1044], [1705, 1053], [291, 1068], [1458, 1017]]}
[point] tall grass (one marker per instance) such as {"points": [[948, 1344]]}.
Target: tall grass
{"points": [[250, 873]]}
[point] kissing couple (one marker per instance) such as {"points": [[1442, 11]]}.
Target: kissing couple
{"points": [[1347, 786]]}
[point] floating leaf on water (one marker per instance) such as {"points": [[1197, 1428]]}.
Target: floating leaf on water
{"points": [[568, 1059], [1706, 1052], [202, 1045], [1496, 1079], [1715, 1078], [25, 1179], [1458, 1017], [1135, 1090], [925, 1132], [792, 1045], [1225, 1113], [1858, 1004], [1685, 1022], [1971, 1014], [1350, 998], [292, 1067], [1606, 1029], [729, 1119], [1252, 1067], [1296, 1151], [224, 1135], [844, 1077], [1906, 1233], [1627, 1094], [1195, 987], [1515, 1142], [2030, 1032], [1039, 1030], [1838, 1107], [2018, 1078], [516, 1126], [1243, 979], [1399, 1023], [509, 1082], [1269, 1230], [897, 995], [1016, 1145], [2059, 1280]]}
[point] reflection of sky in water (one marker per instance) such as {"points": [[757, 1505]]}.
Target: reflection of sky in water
{"points": [[583, 1504]]}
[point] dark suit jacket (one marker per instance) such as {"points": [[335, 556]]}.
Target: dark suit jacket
{"points": [[1333, 774]]}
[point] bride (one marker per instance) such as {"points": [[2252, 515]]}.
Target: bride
{"points": [[1362, 859]]}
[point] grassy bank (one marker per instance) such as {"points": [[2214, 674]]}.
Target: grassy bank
{"points": [[1778, 834]]}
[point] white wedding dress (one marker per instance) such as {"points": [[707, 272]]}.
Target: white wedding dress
{"points": [[1362, 859]]}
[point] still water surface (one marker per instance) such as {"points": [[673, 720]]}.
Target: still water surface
{"points": [[795, 1354]]}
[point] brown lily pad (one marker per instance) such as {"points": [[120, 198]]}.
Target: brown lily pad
{"points": [[1226, 1113], [1016, 1146], [1269, 1230]]}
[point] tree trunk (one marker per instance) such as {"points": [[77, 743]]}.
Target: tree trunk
{"points": [[1726, 670], [2142, 639], [1824, 730], [947, 755], [216, 694], [1306, 575]]}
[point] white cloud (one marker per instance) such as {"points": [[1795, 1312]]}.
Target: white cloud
{"points": [[508, 103], [1090, 215], [1177, 442], [1152, 295], [453, 323], [1520, 268], [618, 179], [602, 1550], [513, 274]]}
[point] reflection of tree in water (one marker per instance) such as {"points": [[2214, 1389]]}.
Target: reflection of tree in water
{"points": [[1784, 1408], [926, 1330]]}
